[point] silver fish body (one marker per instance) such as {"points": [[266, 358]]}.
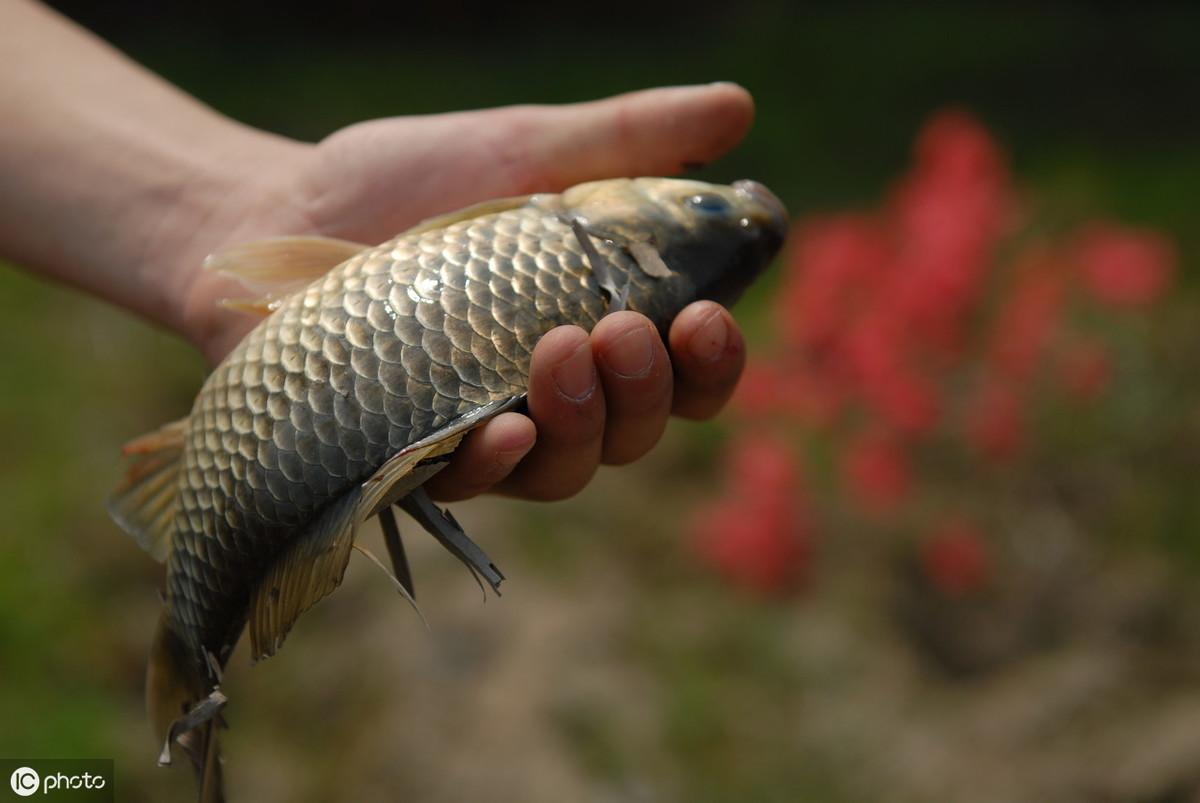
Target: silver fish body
{"points": [[404, 344]]}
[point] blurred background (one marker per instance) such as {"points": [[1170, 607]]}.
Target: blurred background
{"points": [[944, 546]]}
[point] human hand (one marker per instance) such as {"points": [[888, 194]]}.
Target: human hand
{"points": [[592, 399]]}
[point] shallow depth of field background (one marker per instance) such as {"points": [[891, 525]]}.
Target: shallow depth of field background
{"points": [[914, 565]]}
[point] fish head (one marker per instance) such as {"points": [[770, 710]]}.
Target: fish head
{"points": [[713, 240]]}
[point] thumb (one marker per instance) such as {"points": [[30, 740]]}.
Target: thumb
{"points": [[652, 132], [376, 178]]}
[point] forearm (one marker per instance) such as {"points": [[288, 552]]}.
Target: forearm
{"points": [[110, 178]]}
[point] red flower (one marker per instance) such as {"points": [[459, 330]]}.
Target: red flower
{"points": [[1125, 267], [948, 213], [1029, 316], [761, 548], [810, 396], [762, 467], [955, 558], [758, 391], [876, 315], [876, 356], [876, 471], [834, 270], [954, 143], [758, 537]]}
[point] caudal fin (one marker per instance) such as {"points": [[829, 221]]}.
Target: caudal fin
{"points": [[184, 706]]}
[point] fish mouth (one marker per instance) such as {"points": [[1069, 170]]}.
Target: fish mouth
{"points": [[775, 215]]}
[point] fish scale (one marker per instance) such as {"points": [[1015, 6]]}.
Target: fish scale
{"points": [[372, 365], [335, 415]]}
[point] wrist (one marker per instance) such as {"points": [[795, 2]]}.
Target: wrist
{"points": [[114, 181]]}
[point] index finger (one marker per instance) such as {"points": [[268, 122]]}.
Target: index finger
{"points": [[708, 353]]}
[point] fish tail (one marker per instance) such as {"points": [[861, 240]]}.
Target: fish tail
{"points": [[184, 706]]}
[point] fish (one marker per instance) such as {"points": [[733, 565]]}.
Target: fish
{"points": [[369, 366]]}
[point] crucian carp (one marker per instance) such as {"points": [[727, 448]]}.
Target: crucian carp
{"points": [[369, 367]]}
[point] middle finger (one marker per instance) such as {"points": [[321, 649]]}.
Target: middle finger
{"points": [[636, 373], [566, 403]]}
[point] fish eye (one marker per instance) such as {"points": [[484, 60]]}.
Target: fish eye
{"points": [[708, 203]]}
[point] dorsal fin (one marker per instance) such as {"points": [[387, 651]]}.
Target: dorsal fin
{"points": [[492, 207], [144, 503], [279, 266]]}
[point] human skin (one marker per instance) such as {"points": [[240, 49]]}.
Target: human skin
{"points": [[116, 182]]}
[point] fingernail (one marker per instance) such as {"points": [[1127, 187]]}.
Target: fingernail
{"points": [[631, 355], [708, 343], [575, 376]]}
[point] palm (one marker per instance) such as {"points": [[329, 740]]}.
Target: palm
{"points": [[372, 180]]}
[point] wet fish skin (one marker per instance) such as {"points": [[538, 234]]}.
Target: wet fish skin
{"points": [[388, 349], [383, 351]]}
